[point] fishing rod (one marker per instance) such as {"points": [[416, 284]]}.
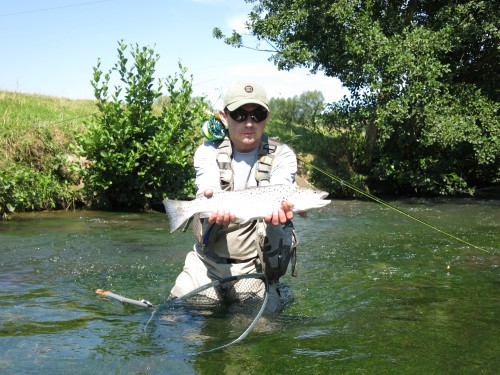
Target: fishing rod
{"points": [[384, 203]]}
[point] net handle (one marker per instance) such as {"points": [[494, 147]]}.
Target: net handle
{"points": [[137, 302]]}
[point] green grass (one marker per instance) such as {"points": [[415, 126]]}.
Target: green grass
{"points": [[319, 150], [36, 133], [34, 126]]}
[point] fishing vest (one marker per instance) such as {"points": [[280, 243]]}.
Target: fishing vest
{"points": [[268, 149], [276, 245]]}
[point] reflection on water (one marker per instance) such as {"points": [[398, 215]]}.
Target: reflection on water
{"points": [[376, 293]]}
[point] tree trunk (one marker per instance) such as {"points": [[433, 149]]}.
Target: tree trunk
{"points": [[371, 139]]}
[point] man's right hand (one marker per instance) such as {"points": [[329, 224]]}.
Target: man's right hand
{"points": [[221, 217]]}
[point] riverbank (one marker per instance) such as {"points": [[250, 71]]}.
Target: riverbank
{"points": [[36, 137], [38, 164]]}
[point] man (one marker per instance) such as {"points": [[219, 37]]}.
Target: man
{"points": [[245, 158]]}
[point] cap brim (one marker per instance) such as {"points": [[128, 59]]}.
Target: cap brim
{"points": [[237, 104]]}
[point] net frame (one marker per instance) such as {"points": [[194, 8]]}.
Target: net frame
{"points": [[236, 299], [225, 291]]}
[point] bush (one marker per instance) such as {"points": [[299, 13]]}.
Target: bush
{"points": [[34, 138], [138, 154], [25, 189]]}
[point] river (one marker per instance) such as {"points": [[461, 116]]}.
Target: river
{"points": [[376, 293]]}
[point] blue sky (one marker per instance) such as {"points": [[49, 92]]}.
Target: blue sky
{"points": [[49, 47]]}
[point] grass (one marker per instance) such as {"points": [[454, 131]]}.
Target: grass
{"points": [[319, 150], [36, 132], [34, 126]]}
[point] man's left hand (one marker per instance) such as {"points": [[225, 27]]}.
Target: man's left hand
{"points": [[280, 215]]}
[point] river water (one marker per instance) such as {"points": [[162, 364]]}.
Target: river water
{"points": [[376, 293]]}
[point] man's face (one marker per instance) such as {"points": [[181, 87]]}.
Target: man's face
{"points": [[246, 134]]}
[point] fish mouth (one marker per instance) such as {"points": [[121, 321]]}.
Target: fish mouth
{"points": [[323, 194]]}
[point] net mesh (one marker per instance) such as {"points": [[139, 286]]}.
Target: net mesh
{"points": [[245, 294], [218, 314]]}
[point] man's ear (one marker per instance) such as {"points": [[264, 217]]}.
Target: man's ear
{"points": [[223, 117]]}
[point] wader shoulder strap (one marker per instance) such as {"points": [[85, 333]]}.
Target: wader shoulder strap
{"points": [[224, 157], [269, 148]]}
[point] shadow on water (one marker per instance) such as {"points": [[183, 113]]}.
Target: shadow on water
{"points": [[376, 293]]}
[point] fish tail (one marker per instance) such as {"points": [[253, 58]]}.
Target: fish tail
{"points": [[177, 213]]}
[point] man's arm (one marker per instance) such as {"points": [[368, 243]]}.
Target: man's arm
{"points": [[283, 172], [207, 170]]}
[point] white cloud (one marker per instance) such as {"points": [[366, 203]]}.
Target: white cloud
{"points": [[237, 23], [278, 84], [286, 84]]}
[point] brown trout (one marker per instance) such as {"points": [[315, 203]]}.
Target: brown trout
{"points": [[249, 204]]}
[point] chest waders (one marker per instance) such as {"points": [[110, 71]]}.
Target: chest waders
{"points": [[276, 244]]}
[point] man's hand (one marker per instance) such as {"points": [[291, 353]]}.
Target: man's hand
{"points": [[280, 215], [221, 217]]}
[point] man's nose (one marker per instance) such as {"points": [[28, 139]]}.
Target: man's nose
{"points": [[249, 121]]}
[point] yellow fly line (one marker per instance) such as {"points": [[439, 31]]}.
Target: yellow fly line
{"points": [[378, 200]]}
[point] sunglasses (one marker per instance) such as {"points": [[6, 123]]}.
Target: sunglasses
{"points": [[241, 115]]}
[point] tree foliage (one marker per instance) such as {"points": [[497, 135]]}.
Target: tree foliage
{"points": [[138, 154], [423, 78], [305, 109]]}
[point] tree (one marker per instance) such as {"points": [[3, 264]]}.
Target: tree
{"points": [[304, 109], [137, 154], [423, 77]]}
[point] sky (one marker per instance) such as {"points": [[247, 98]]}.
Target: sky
{"points": [[50, 47]]}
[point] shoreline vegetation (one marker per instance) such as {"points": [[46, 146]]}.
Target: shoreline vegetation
{"points": [[39, 169], [38, 163], [36, 135]]}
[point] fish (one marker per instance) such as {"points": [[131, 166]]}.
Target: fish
{"points": [[249, 204]]}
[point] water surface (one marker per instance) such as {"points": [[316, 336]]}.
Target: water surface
{"points": [[376, 293]]}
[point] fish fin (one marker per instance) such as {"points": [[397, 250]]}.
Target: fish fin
{"points": [[176, 213]]}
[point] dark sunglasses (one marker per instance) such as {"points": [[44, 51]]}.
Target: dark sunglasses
{"points": [[241, 115]]}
